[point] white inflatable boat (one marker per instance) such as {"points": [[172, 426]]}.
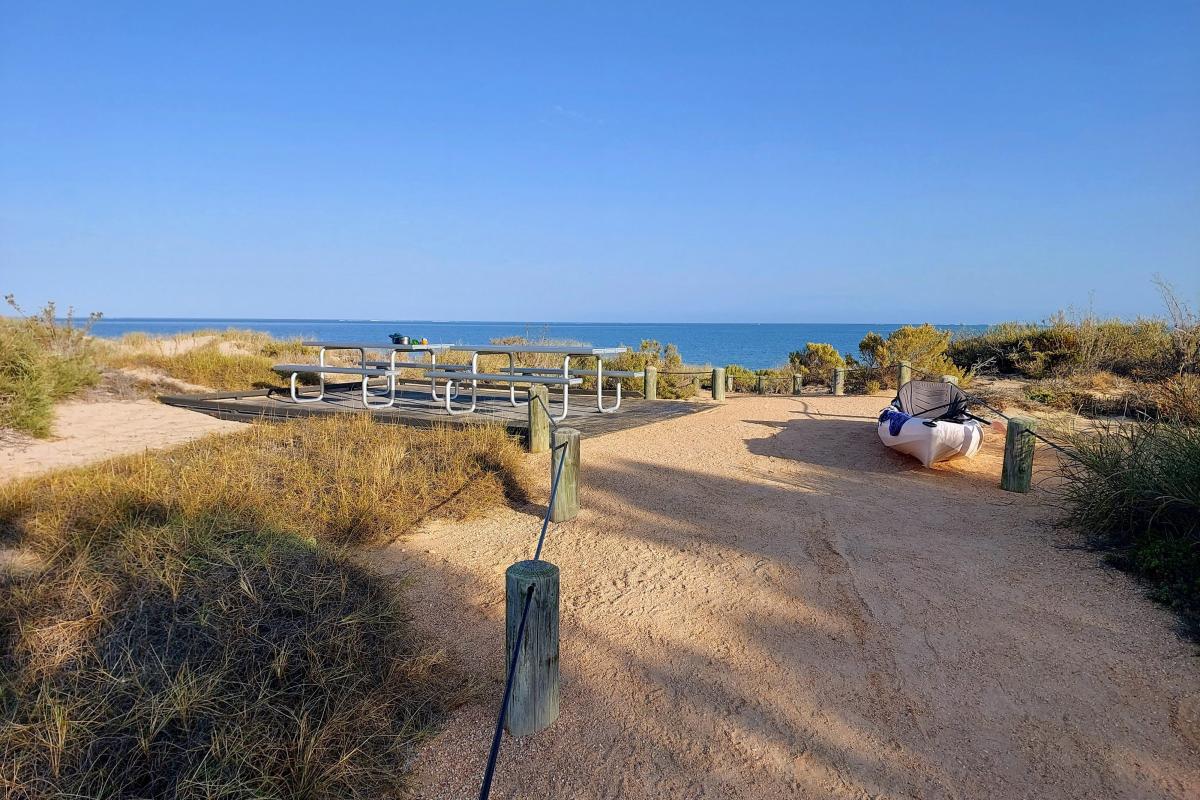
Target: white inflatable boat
{"points": [[929, 421]]}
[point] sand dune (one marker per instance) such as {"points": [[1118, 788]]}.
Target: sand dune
{"points": [[761, 601]]}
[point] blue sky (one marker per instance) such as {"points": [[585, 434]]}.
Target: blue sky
{"points": [[789, 162]]}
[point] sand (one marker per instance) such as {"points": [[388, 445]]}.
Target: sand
{"points": [[760, 601], [85, 432]]}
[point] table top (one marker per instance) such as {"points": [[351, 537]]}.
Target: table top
{"points": [[562, 350], [400, 348]]}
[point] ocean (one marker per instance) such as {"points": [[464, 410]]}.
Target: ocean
{"points": [[753, 345]]}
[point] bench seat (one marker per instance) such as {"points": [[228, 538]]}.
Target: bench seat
{"points": [[328, 370], [417, 365], [458, 376], [608, 373]]}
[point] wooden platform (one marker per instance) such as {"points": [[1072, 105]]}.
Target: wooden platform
{"points": [[414, 407]]}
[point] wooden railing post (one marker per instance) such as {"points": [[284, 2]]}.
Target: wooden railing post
{"points": [[534, 702], [797, 383], [839, 380], [539, 420], [1017, 473], [903, 373], [758, 386], [718, 384], [729, 383], [566, 499], [650, 383]]}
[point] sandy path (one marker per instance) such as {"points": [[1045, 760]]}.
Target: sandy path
{"points": [[92, 431], [760, 601]]}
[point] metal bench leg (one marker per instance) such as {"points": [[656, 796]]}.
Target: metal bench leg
{"points": [[391, 393], [600, 390], [512, 386], [320, 396], [474, 398], [566, 388], [433, 381]]}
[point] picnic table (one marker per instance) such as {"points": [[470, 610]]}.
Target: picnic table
{"points": [[551, 376], [455, 375], [366, 369]]}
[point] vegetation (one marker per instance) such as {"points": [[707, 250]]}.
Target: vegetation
{"points": [[195, 628], [42, 361], [1135, 490], [666, 360], [816, 362], [924, 347], [223, 360]]}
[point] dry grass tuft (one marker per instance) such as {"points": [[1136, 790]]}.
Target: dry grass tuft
{"points": [[196, 628]]}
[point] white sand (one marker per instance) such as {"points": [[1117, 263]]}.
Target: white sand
{"points": [[760, 601], [92, 431]]}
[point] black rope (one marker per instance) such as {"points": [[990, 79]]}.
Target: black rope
{"points": [[494, 753]]}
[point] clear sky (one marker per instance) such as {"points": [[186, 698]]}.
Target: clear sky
{"points": [[950, 162]]}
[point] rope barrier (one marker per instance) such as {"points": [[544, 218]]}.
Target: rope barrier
{"points": [[497, 735], [494, 753]]}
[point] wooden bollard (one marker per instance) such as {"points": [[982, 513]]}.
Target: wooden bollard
{"points": [[718, 383], [696, 382], [950, 379], [758, 385], [534, 702], [566, 499], [1017, 473], [839, 380], [797, 383], [539, 420], [650, 383], [903, 373], [729, 383]]}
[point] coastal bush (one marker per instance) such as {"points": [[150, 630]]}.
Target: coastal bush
{"points": [[194, 627], [1134, 489], [816, 362], [743, 379], [1144, 349], [923, 346], [42, 360]]}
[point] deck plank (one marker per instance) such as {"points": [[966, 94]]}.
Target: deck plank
{"points": [[415, 408]]}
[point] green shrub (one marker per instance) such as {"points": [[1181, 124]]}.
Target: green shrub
{"points": [[744, 380], [924, 347], [816, 362], [42, 360], [1135, 490]]}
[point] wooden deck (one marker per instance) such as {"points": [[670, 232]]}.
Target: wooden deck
{"points": [[414, 407]]}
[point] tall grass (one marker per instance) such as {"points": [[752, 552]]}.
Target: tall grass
{"points": [[222, 360], [195, 628], [1135, 490], [42, 360]]}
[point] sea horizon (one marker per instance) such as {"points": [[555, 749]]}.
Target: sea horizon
{"points": [[756, 345]]}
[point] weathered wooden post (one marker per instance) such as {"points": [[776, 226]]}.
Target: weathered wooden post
{"points": [[534, 702], [729, 383], [797, 383], [696, 383], [950, 379], [566, 499], [839, 380], [650, 383], [718, 384], [1017, 473], [903, 373], [758, 385], [539, 420]]}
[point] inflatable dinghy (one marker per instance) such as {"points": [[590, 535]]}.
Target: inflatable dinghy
{"points": [[929, 421]]}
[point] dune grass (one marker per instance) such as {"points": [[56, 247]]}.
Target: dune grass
{"points": [[42, 361], [223, 360], [196, 627], [1134, 490]]}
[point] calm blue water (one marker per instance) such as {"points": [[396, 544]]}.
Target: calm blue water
{"points": [[753, 345]]}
